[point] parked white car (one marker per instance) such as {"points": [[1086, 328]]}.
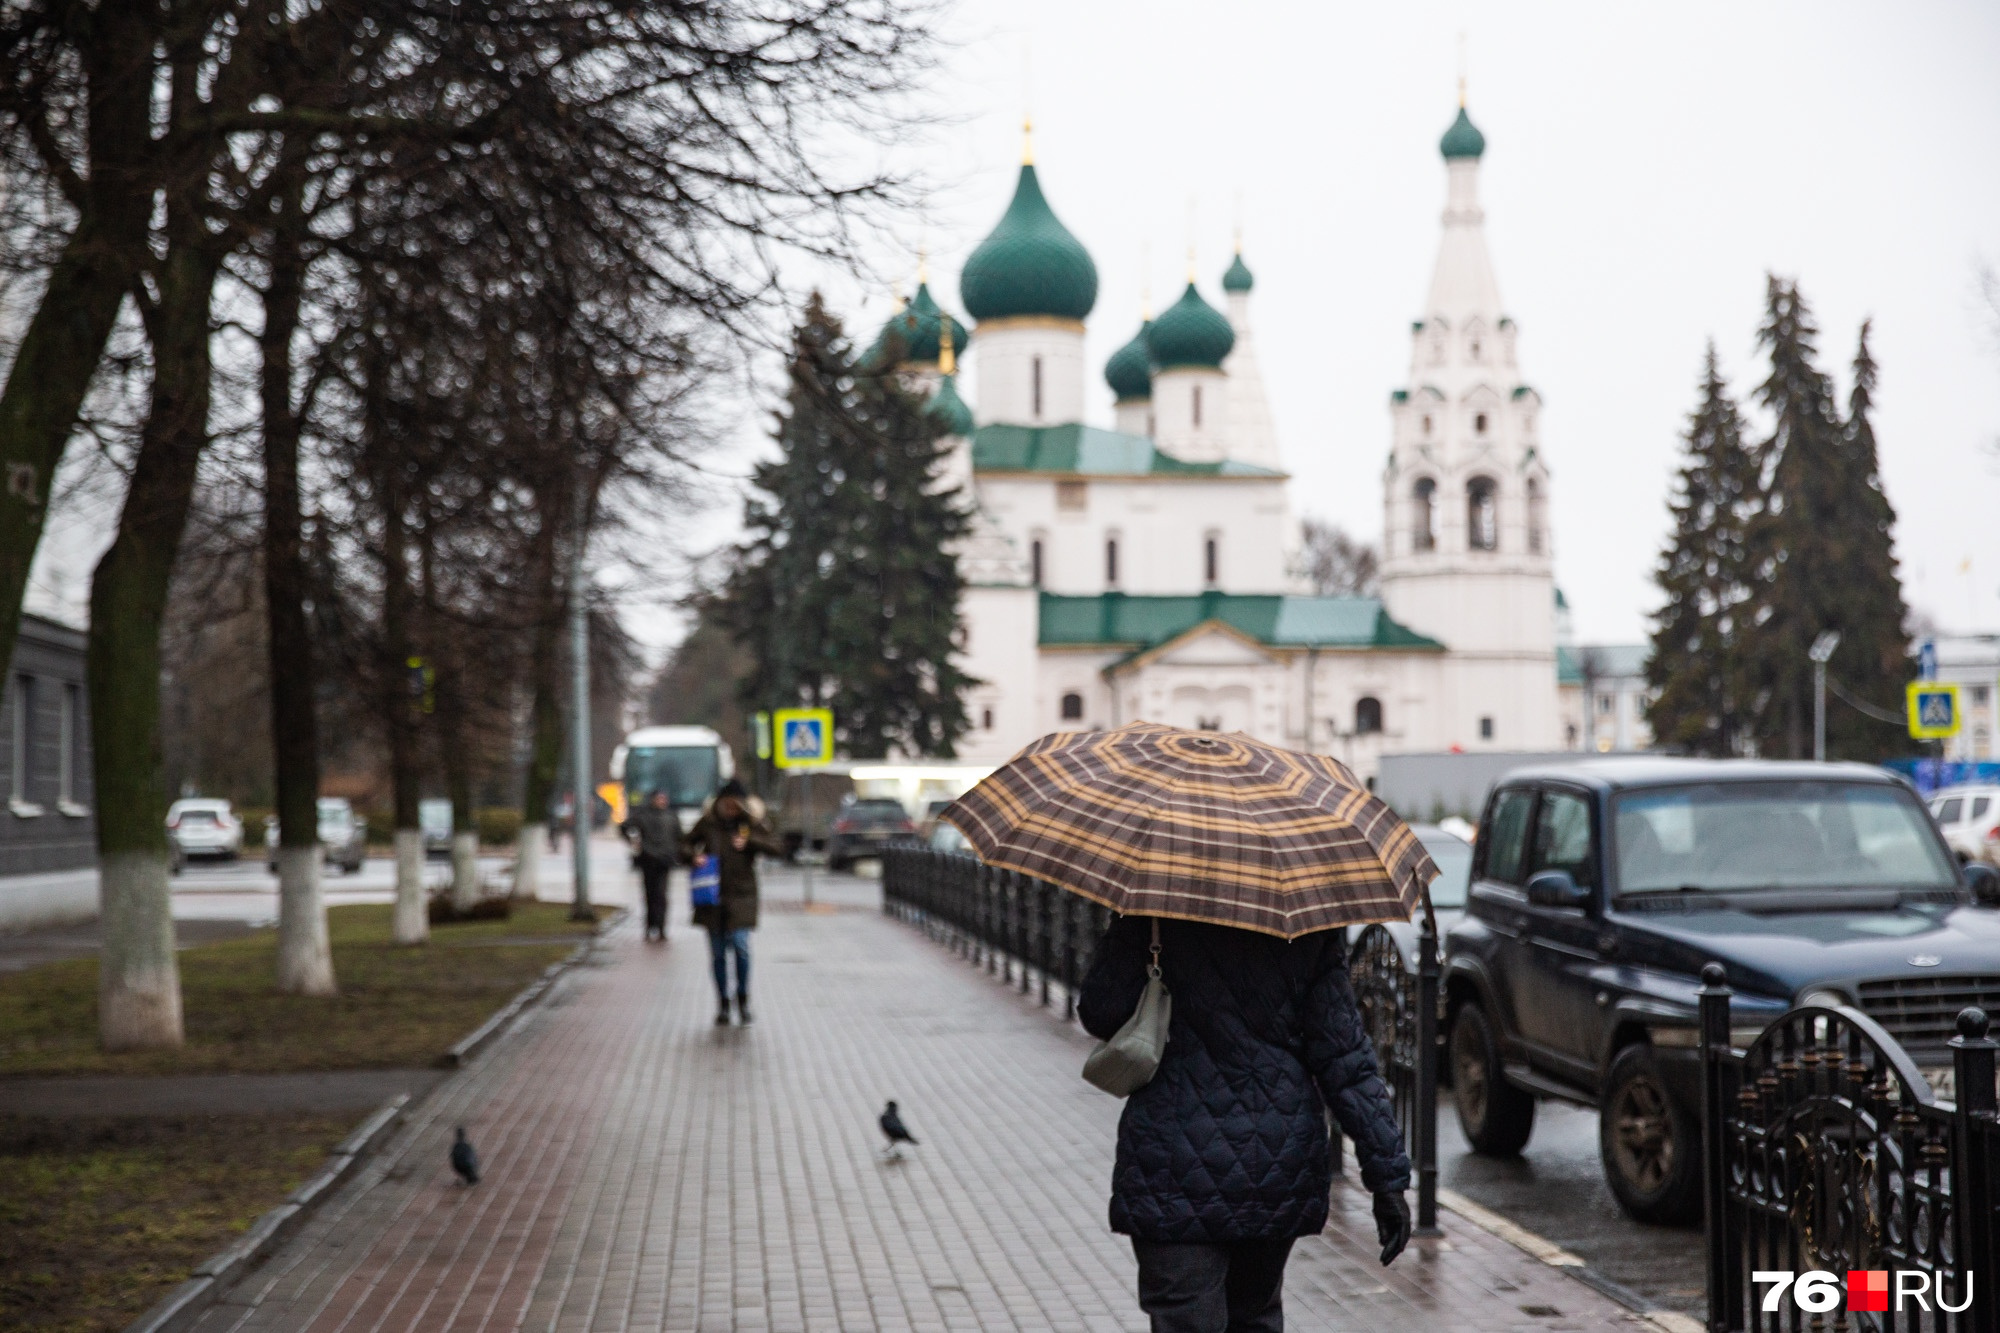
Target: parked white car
{"points": [[343, 837], [203, 826], [1969, 818]]}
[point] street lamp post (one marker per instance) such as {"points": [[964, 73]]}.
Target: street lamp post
{"points": [[579, 748], [1821, 650]]}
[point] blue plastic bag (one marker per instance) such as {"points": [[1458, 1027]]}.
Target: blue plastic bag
{"points": [[705, 882]]}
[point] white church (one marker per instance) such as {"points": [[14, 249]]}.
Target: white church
{"points": [[1145, 572]]}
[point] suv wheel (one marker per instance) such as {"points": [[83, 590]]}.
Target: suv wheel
{"points": [[1496, 1116], [1651, 1152]]}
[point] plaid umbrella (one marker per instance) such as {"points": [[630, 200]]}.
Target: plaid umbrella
{"points": [[1157, 821]]}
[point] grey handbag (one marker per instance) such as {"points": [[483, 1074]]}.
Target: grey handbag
{"points": [[1128, 1061]]}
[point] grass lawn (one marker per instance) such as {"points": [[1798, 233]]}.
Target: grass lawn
{"points": [[99, 1218], [396, 1007]]}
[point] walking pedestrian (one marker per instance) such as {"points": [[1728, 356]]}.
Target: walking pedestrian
{"points": [[732, 831], [656, 838], [1223, 1157]]}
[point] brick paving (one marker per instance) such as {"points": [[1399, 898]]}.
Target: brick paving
{"points": [[646, 1170]]}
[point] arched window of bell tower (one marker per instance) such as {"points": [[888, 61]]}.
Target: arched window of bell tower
{"points": [[1536, 517], [1482, 514], [1423, 515]]}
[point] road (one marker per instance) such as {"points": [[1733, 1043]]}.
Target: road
{"points": [[1556, 1189]]}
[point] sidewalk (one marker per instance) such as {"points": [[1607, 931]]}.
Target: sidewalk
{"points": [[646, 1170]]}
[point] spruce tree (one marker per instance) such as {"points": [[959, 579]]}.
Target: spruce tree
{"points": [[1878, 665], [846, 594], [1697, 669], [1822, 550]]}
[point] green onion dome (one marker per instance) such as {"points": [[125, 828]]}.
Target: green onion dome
{"points": [[1190, 332], [919, 327], [1030, 264], [948, 410], [1129, 372], [1237, 278], [1462, 140]]}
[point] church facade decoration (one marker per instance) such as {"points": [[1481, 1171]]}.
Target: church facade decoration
{"points": [[1146, 571]]}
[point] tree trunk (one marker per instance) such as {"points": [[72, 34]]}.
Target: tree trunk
{"points": [[58, 354], [412, 911], [139, 1002], [305, 956]]}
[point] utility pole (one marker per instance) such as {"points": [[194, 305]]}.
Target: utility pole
{"points": [[579, 747], [1821, 650]]}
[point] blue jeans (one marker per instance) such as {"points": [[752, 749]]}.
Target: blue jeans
{"points": [[722, 943]]}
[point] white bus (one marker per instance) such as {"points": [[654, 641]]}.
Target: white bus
{"points": [[687, 763]]}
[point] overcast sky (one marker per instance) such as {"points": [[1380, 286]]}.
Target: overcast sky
{"points": [[1643, 172]]}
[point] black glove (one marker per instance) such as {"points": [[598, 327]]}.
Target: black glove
{"points": [[1392, 1224]]}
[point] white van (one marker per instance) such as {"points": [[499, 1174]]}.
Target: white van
{"points": [[687, 763], [1969, 818]]}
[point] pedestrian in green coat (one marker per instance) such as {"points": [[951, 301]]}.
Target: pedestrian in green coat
{"points": [[732, 833]]}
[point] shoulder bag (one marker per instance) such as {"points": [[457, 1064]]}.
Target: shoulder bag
{"points": [[1129, 1060]]}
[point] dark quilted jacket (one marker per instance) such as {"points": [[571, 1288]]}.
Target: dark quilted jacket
{"points": [[1229, 1139]]}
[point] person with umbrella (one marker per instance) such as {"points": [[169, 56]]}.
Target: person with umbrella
{"points": [[1244, 858]]}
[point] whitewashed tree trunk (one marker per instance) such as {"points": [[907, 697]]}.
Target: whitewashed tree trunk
{"points": [[464, 871], [305, 957], [138, 978], [529, 846], [413, 921]]}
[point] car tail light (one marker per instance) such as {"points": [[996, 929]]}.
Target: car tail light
{"points": [[1993, 834], [906, 827], [843, 826], [174, 822]]}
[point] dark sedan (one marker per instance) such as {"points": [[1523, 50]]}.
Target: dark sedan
{"points": [[1600, 889], [862, 828]]}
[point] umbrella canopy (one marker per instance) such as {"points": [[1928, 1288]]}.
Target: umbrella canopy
{"points": [[1156, 821]]}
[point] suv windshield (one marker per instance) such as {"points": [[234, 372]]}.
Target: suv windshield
{"points": [[876, 810], [1782, 835], [688, 774]]}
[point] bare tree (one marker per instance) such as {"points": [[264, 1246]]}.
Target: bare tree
{"points": [[1333, 563]]}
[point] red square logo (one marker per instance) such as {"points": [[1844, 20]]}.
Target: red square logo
{"points": [[1868, 1290]]}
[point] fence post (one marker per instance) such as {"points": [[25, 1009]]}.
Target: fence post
{"points": [[1972, 1128], [1725, 1281], [1045, 926], [1069, 903], [1426, 1078]]}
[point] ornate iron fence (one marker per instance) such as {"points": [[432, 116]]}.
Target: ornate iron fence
{"points": [[1002, 920], [1025, 931], [1398, 997], [1825, 1151]]}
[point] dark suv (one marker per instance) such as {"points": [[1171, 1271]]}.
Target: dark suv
{"points": [[863, 827], [1599, 890]]}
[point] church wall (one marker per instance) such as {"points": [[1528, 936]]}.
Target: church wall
{"points": [[1001, 629], [1161, 527], [1006, 353], [1191, 413]]}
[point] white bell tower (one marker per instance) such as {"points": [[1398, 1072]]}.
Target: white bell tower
{"points": [[1466, 550]]}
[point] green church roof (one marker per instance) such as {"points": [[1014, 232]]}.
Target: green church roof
{"points": [[1136, 623], [1089, 451], [1463, 139], [1236, 278], [1190, 332], [1030, 264], [1129, 371], [949, 410], [919, 328]]}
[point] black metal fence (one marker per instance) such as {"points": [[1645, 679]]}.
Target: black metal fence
{"points": [[1029, 932], [1002, 920], [1830, 1162], [1398, 998]]}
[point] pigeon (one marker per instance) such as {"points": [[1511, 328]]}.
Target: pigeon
{"points": [[463, 1159], [895, 1131]]}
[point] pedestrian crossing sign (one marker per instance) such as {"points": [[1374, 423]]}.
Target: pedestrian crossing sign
{"points": [[1934, 710], [805, 737]]}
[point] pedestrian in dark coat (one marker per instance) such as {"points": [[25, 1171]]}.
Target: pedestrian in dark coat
{"points": [[656, 836], [732, 833], [1223, 1157]]}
